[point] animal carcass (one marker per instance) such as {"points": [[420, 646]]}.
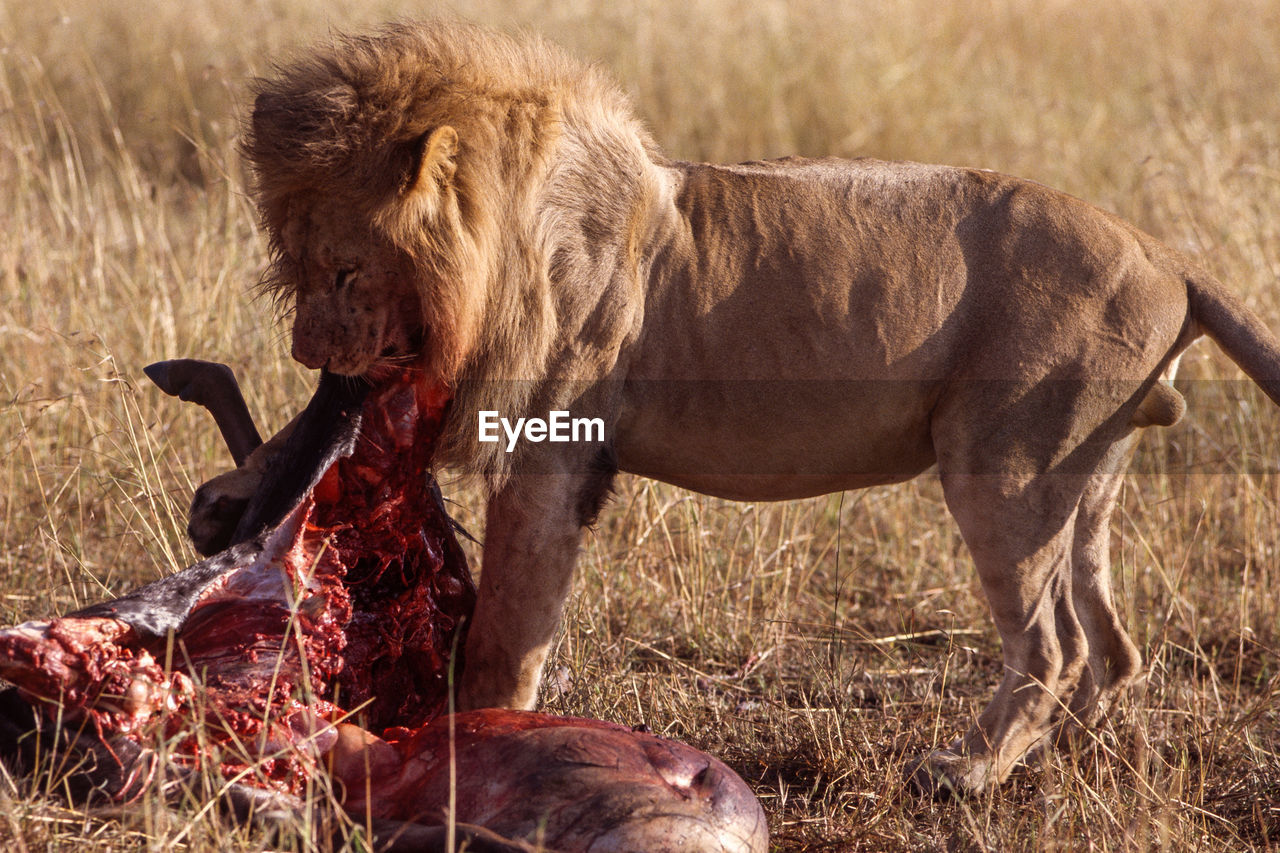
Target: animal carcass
{"points": [[322, 645]]}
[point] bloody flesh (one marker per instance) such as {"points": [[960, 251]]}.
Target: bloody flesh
{"points": [[361, 608], [326, 644], [377, 528]]}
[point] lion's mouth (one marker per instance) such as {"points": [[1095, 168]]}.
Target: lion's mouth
{"points": [[399, 353]]}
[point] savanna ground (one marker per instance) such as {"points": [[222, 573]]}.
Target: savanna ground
{"points": [[815, 646]]}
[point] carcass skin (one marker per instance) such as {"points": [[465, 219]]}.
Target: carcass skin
{"points": [[573, 784], [349, 591]]}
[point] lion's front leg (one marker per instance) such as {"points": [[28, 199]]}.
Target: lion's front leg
{"points": [[532, 533]]}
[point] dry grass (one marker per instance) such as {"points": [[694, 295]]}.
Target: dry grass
{"points": [[813, 645]]}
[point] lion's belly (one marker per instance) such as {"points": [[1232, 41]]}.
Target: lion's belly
{"points": [[753, 487], [776, 441]]}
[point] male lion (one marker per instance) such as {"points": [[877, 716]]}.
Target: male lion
{"points": [[493, 211]]}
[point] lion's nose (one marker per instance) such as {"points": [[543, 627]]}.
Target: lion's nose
{"points": [[307, 354]]}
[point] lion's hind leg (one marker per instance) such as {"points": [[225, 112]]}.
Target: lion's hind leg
{"points": [[1020, 531], [1114, 660], [1031, 469]]}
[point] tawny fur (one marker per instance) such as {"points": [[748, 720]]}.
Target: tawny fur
{"points": [[538, 132], [492, 209]]}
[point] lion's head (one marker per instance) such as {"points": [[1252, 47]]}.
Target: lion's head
{"points": [[356, 297], [449, 196], [374, 182]]}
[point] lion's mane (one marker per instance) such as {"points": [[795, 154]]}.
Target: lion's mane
{"points": [[548, 149]]}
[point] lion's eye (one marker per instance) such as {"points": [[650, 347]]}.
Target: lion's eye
{"points": [[344, 278]]}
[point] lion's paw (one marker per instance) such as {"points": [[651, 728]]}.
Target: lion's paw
{"points": [[947, 773]]}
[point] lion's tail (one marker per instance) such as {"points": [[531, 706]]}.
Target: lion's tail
{"points": [[1237, 330]]}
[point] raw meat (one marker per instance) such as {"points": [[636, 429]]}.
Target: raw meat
{"points": [[325, 642]]}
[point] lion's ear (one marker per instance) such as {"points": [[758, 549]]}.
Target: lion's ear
{"points": [[436, 162], [426, 191]]}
